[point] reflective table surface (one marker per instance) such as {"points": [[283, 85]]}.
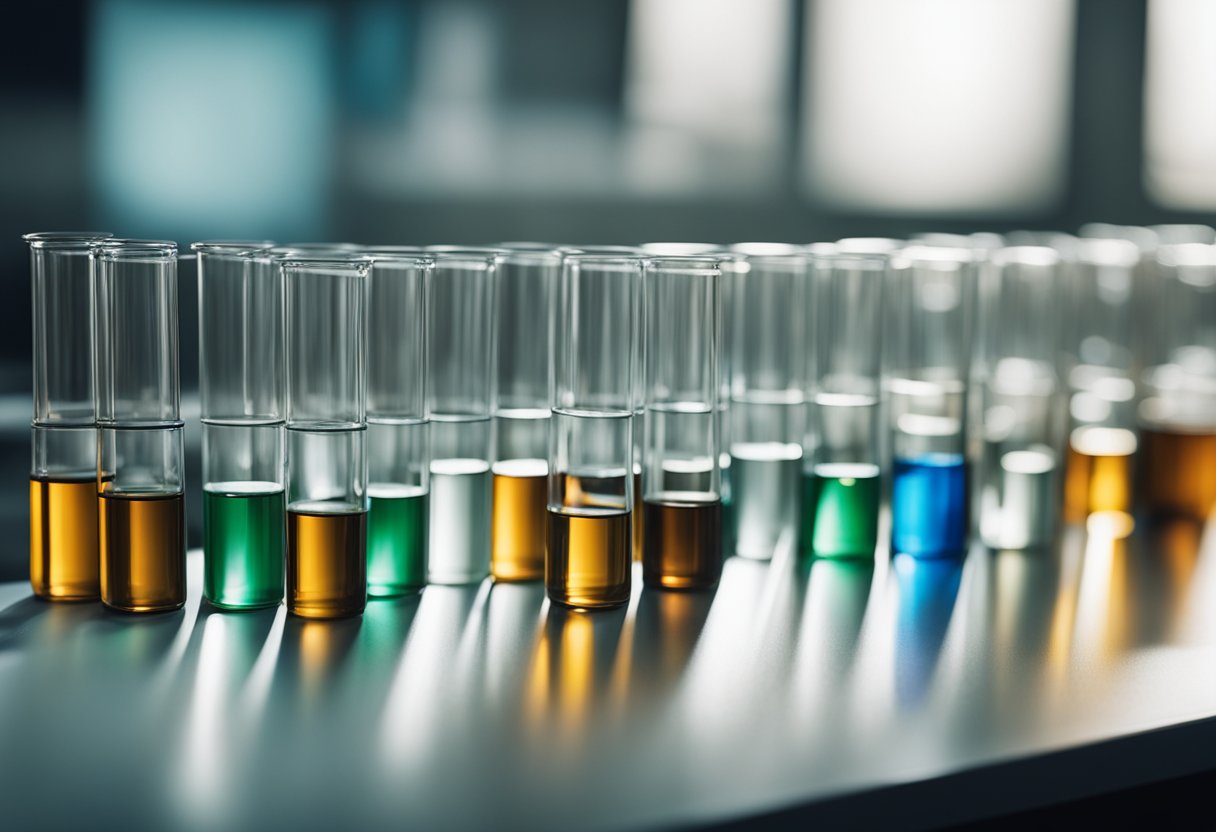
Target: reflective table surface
{"points": [[794, 683]]}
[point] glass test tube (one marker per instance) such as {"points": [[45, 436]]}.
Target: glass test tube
{"points": [[398, 456], [326, 434], [460, 356], [63, 473], [768, 354], [928, 351], [639, 347], [591, 483], [1177, 415], [527, 284], [140, 469], [1100, 375], [1021, 412], [841, 477], [681, 493], [241, 387]]}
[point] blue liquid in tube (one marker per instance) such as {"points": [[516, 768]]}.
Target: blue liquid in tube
{"points": [[929, 505]]}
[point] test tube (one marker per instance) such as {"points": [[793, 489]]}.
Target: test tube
{"points": [[928, 351], [1021, 409], [398, 455], [1176, 474], [591, 487], [527, 284], [241, 384], [841, 477], [768, 354], [63, 473], [1101, 374], [460, 354], [326, 434], [140, 469], [681, 493], [638, 359]]}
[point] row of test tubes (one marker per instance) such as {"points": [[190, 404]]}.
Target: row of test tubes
{"points": [[377, 419]]}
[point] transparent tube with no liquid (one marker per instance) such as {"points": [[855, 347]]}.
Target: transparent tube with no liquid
{"points": [[1021, 403], [63, 474], [1176, 473], [928, 349], [241, 386], [591, 453], [398, 454], [326, 435], [460, 355], [768, 352], [527, 284], [681, 490], [841, 478], [141, 523], [1100, 366]]}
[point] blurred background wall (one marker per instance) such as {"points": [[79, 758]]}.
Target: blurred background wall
{"points": [[422, 121]]}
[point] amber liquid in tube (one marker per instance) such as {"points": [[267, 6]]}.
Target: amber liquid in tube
{"points": [[589, 558], [64, 559], [143, 551], [639, 521], [683, 545], [1177, 472], [517, 549], [1098, 477], [326, 561]]}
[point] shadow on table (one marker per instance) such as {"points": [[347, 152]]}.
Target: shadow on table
{"points": [[666, 629]]}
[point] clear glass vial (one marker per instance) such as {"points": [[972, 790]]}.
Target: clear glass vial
{"points": [[141, 523], [526, 288], [242, 392], [591, 449], [1100, 372], [681, 488], [928, 363], [1176, 473], [460, 379], [842, 460], [326, 296], [398, 453], [1022, 406], [63, 473], [768, 364]]}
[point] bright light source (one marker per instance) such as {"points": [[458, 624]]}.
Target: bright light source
{"points": [[938, 106], [706, 84], [1180, 104]]}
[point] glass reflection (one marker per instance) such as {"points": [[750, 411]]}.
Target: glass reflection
{"points": [[928, 590]]}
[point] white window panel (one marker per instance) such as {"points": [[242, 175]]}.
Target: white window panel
{"points": [[938, 106], [1180, 104], [706, 89]]}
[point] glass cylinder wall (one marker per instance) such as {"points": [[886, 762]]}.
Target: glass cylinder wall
{"points": [[928, 363], [526, 288], [397, 433], [1021, 407], [591, 450], [768, 369], [460, 384], [136, 348], [681, 488], [1177, 413], [842, 460], [1100, 366]]}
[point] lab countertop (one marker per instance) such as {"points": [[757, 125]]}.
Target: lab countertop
{"points": [[792, 687]]}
